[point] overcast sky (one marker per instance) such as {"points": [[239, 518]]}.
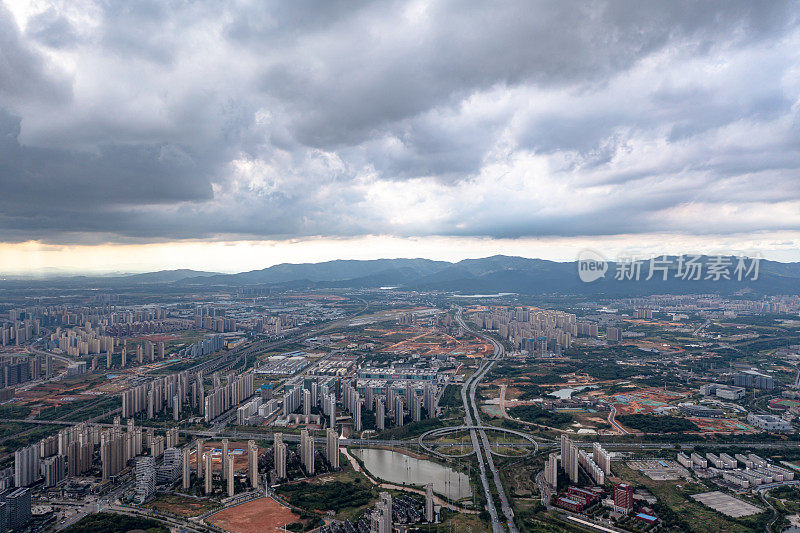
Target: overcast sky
{"points": [[313, 130]]}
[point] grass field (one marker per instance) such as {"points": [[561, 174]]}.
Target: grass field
{"points": [[346, 507], [181, 505]]}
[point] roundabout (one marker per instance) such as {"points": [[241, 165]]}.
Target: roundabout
{"points": [[425, 443]]}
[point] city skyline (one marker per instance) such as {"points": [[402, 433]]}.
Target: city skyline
{"points": [[399, 265]]}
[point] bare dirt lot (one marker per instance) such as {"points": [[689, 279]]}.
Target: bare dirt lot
{"points": [[261, 515]]}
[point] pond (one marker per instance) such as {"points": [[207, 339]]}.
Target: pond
{"points": [[399, 468]]}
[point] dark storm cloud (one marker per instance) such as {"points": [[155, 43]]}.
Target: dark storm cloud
{"points": [[156, 120], [113, 175]]}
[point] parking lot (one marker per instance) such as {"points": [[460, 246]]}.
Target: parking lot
{"points": [[727, 505], [660, 469]]}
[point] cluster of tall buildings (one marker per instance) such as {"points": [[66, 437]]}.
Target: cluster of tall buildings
{"points": [[374, 392], [251, 412], [102, 315], [148, 476], [82, 340], [613, 334], [96, 340], [15, 370], [390, 393], [213, 319], [223, 397], [597, 465], [204, 465], [168, 393], [307, 452], [110, 320], [310, 394], [534, 330], [71, 452], [205, 347], [53, 470], [273, 324], [590, 465], [166, 325], [18, 332], [352, 403]]}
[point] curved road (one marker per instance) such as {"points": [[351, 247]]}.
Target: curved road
{"points": [[613, 421]]}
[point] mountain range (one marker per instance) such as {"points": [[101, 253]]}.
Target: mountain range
{"points": [[486, 275]]}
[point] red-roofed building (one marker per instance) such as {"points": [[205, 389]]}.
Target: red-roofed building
{"points": [[623, 498], [570, 504]]}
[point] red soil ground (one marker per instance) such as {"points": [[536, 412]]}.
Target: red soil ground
{"points": [[257, 516]]}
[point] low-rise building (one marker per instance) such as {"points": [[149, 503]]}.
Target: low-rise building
{"points": [[769, 423]]}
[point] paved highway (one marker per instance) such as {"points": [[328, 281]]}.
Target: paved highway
{"points": [[466, 389], [468, 397]]}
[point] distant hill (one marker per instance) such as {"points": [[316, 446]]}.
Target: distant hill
{"points": [[497, 274], [487, 275], [329, 271], [110, 281], [165, 276]]}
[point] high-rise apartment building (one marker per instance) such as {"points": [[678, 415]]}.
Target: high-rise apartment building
{"points": [[15, 506], [209, 485], [199, 458], [170, 470], [145, 472], [602, 458], [332, 448], [306, 402], [332, 410], [430, 516], [26, 465], [380, 414], [224, 458], [252, 463], [186, 467], [54, 470], [229, 475], [569, 458], [384, 508], [307, 452], [280, 451], [551, 471]]}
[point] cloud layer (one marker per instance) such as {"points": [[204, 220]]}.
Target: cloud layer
{"points": [[154, 121]]}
